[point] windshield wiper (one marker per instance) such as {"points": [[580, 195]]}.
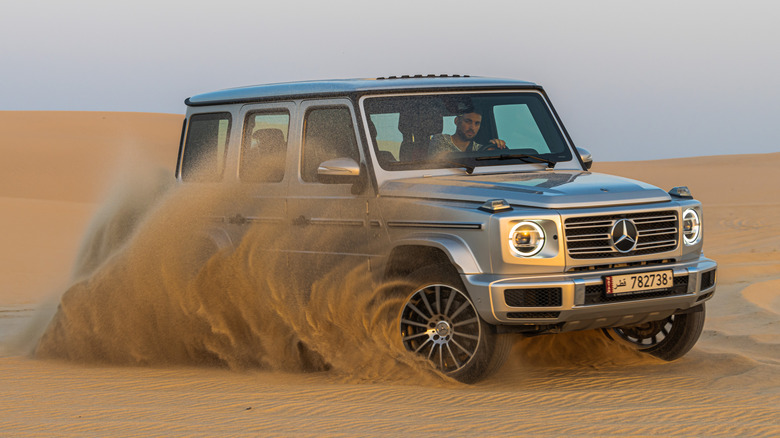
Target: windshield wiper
{"points": [[526, 157], [469, 168]]}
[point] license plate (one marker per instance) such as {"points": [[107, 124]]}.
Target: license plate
{"points": [[639, 282]]}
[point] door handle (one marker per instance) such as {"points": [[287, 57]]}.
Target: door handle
{"points": [[237, 219], [300, 220]]}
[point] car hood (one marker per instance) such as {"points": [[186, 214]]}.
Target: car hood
{"points": [[545, 189]]}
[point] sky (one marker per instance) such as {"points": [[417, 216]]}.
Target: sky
{"points": [[632, 80]]}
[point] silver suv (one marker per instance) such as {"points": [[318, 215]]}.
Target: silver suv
{"points": [[469, 191]]}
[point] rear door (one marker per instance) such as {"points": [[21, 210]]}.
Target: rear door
{"points": [[257, 203], [205, 159]]}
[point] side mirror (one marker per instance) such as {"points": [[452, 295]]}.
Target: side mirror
{"points": [[586, 157], [338, 171]]}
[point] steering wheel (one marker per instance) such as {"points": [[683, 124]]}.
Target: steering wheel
{"points": [[491, 147]]}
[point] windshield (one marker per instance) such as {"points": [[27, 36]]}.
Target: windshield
{"points": [[463, 130]]}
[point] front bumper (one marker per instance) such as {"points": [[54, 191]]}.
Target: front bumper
{"points": [[577, 301]]}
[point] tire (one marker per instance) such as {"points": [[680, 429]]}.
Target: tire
{"points": [[439, 321], [668, 339]]}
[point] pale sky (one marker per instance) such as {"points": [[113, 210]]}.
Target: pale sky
{"points": [[632, 80]]}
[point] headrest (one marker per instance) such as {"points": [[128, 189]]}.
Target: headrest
{"points": [[268, 136], [423, 119]]}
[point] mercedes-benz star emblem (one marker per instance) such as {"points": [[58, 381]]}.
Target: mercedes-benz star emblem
{"points": [[624, 235]]}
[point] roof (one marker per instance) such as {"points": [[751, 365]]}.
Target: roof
{"points": [[351, 86]]}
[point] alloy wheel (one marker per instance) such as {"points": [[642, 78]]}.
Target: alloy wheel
{"points": [[441, 323]]}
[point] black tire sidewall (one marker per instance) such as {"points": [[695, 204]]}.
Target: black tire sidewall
{"points": [[682, 337], [685, 331]]}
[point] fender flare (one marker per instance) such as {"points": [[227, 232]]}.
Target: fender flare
{"points": [[456, 249]]}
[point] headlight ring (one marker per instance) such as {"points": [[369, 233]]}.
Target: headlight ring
{"points": [[691, 227], [526, 239]]}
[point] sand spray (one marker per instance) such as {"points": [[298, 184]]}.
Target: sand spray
{"points": [[149, 288], [148, 291]]}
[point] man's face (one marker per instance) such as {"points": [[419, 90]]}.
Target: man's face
{"points": [[467, 125]]}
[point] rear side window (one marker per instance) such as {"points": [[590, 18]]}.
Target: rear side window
{"points": [[206, 147], [329, 134], [264, 148]]}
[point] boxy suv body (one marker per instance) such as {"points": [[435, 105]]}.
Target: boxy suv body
{"points": [[522, 239]]}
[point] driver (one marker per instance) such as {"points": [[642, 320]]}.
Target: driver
{"points": [[467, 125]]}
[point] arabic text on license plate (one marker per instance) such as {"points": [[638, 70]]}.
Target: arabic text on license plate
{"points": [[639, 282]]}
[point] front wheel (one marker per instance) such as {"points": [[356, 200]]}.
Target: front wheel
{"points": [[668, 339], [440, 322]]}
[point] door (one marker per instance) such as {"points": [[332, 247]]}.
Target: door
{"points": [[259, 207], [330, 220]]}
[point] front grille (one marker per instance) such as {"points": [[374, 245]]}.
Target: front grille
{"points": [[532, 315], [541, 297], [589, 237], [597, 293]]}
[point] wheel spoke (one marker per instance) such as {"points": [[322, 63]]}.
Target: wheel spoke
{"points": [[410, 337], [414, 323], [418, 311], [468, 321], [461, 347], [422, 345], [460, 309], [449, 302], [430, 353], [425, 301], [441, 357], [665, 332], [454, 359], [464, 335]]}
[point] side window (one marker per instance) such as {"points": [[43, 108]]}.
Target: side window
{"points": [[328, 134], [385, 133], [517, 126], [449, 125], [264, 148], [206, 146]]}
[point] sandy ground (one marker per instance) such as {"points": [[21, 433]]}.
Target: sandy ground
{"points": [[59, 168]]}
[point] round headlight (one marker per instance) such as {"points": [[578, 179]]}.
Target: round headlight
{"points": [[526, 239], [691, 226]]}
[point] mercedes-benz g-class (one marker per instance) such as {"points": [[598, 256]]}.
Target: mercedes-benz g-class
{"points": [[471, 190]]}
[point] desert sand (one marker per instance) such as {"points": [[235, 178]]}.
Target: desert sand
{"points": [[62, 172]]}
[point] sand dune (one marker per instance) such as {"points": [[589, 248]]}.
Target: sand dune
{"points": [[74, 156], [59, 172]]}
